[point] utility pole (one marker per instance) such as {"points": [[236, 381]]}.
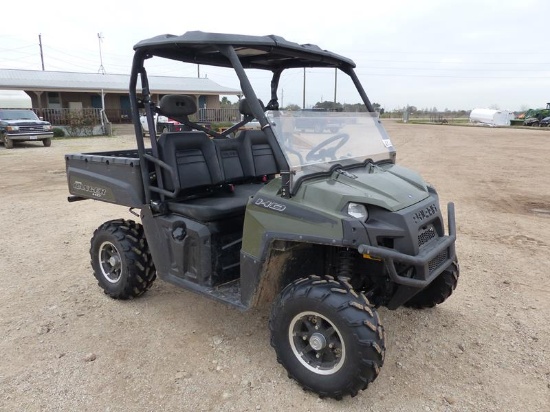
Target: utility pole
{"points": [[102, 71], [101, 68], [304, 92], [199, 71], [335, 83], [41, 54]]}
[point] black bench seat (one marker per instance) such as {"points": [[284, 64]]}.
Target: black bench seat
{"points": [[202, 166], [221, 205]]}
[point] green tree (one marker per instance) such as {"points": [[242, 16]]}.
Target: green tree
{"points": [[328, 106], [226, 103], [355, 107], [292, 107]]}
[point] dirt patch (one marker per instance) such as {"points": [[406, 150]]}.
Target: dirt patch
{"points": [[66, 346]]}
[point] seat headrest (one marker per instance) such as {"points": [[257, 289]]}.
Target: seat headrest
{"points": [[177, 105], [244, 107]]}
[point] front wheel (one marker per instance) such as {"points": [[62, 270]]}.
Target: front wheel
{"points": [[328, 338], [121, 260], [47, 142], [8, 143]]}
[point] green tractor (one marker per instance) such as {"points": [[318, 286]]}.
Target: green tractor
{"points": [[534, 117]]}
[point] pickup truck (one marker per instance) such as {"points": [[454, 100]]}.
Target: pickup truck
{"points": [[23, 125]]}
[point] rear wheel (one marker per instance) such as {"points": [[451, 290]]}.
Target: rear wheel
{"points": [[328, 338], [438, 291], [47, 142], [121, 260]]}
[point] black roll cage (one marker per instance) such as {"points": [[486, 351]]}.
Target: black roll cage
{"points": [[275, 57]]}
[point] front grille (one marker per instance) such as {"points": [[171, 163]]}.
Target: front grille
{"points": [[437, 261], [25, 129], [426, 234]]}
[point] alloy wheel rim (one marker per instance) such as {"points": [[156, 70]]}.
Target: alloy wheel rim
{"points": [[317, 343], [110, 262]]}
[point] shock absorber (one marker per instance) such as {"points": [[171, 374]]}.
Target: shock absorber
{"points": [[346, 263], [349, 267]]}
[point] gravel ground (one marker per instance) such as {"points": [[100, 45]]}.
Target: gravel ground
{"points": [[65, 346]]}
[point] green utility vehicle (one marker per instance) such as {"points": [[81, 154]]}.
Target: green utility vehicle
{"points": [[321, 223]]}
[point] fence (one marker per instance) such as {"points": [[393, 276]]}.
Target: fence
{"points": [[218, 115], [67, 117]]}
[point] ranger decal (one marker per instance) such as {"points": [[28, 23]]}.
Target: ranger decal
{"points": [[268, 204], [93, 190]]}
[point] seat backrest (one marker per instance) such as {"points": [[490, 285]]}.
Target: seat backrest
{"points": [[244, 107], [177, 105], [259, 154], [232, 158], [193, 157]]}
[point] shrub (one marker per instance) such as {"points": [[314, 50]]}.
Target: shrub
{"points": [[58, 132], [220, 125], [80, 124]]}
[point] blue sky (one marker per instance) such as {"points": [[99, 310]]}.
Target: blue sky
{"points": [[426, 53]]}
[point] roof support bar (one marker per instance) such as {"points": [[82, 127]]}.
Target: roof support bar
{"points": [[259, 114]]}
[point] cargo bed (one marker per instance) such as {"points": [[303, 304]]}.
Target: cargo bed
{"points": [[112, 176]]}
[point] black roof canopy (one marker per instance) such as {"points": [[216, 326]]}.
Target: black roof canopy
{"points": [[256, 52]]}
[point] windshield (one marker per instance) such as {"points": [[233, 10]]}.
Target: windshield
{"points": [[314, 141], [18, 115]]}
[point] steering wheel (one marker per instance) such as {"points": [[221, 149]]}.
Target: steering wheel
{"points": [[295, 152], [319, 152]]}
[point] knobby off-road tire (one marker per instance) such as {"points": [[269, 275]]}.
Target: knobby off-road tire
{"points": [[121, 259], [328, 338], [438, 291]]}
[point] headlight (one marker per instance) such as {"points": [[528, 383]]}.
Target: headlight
{"points": [[12, 128], [47, 127], [358, 211]]}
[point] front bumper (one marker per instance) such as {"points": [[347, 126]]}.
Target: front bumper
{"points": [[428, 263], [29, 136]]}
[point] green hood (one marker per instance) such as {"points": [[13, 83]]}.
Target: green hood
{"points": [[388, 186]]}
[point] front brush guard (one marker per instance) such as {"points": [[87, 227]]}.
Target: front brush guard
{"points": [[423, 276]]}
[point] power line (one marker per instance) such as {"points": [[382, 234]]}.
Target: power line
{"points": [[449, 69], [453, 62], [455, 77], [454, 52]]}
